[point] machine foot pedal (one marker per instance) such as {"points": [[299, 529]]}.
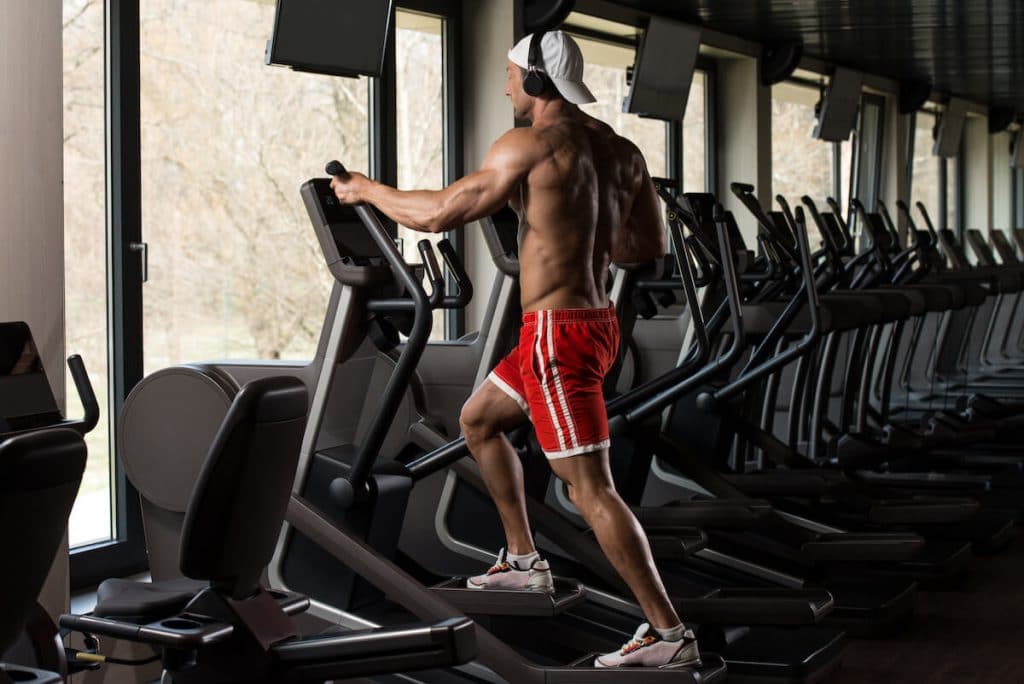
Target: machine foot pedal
{"points": [[568, 592]]}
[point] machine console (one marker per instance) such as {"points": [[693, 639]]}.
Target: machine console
{"points": [[350, 251], [26, 400]]}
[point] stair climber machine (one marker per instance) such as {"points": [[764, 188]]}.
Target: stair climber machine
{"points": [[453, 526], [786, 328], [345, 518], [889, 452], [345, 554], [779, 549]]}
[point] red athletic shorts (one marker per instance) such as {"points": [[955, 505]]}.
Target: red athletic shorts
{"points": [[556, 376]]}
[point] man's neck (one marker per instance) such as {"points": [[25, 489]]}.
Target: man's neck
{"points": [[546, 111]]}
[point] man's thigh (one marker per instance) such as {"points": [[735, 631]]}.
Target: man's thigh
{"points": [[491, 405]]}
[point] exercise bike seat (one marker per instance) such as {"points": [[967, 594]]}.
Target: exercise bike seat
{"points": [[145, 601]]}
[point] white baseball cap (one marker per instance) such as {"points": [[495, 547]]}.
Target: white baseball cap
{"points": [[561, 59]]}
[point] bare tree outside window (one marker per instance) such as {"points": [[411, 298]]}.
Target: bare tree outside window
{"points": [[801, 164], [924, 184], [235, 270], [695, 136], [420, 118]]}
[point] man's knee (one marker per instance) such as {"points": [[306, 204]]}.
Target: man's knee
{"points": [[592, 496], [475, 424]]}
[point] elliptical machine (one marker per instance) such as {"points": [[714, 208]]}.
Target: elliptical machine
{"points": [[347, 505]]}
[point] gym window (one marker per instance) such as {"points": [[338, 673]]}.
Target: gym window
{"points": [[802, 165], [183, 147]]}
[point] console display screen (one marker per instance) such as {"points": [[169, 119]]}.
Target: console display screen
{"points": [[26, 399]]}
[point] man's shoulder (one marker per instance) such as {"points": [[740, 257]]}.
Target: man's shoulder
{"points": [[520, 135], [520, 142]]}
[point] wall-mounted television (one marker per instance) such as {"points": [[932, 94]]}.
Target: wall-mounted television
{"points": [[336, 37], [665, 62], [837, 114], [1017, 151], [951, 128]]}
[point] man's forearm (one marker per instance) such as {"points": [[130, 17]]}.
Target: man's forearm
{"points": [[415, 209]]}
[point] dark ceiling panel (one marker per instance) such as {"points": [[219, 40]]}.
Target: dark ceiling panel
{"points": [[968, 48]]}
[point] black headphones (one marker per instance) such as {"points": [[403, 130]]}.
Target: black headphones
{"points": [[534, 81]]}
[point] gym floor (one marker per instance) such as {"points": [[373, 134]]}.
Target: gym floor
{"points": [[968, 636]]}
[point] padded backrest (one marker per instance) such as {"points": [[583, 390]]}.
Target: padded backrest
{"points": [[39, 477], [238, 504]]}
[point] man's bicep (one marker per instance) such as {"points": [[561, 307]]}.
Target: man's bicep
{"points": [[488, 189]]}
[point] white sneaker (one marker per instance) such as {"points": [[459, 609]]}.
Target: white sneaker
{"points": [[505, 574], [647, 649]]}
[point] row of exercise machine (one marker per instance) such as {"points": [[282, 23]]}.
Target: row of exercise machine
{"points": [[807, 436]]}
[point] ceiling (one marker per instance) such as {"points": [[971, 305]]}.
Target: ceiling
{"points": [[967, 48]]}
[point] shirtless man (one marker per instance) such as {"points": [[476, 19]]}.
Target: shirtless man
{"points": [[586, 199]]}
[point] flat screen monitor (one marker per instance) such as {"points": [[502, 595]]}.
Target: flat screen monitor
{"points": [[1017, 151], [26, 400], [664, 69], [838, 113], [951, 128], [335, 37]]}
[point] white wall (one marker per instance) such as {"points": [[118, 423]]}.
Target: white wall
{"points": [[744, 141], [487, 34], [31, 194], [977, 174], [893, 184], [1002, 181]]}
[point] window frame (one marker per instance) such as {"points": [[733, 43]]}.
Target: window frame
{"points": [[1017, 198], [126, 553]]}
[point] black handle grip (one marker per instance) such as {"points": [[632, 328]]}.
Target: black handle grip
{"points": [[458, 271], [669, 184], [85, 393], [434, 274], [335, 168], [741, 187], [430, 262]]}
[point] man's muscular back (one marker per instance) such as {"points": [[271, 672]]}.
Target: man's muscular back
{"points": [[589, 202]]}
